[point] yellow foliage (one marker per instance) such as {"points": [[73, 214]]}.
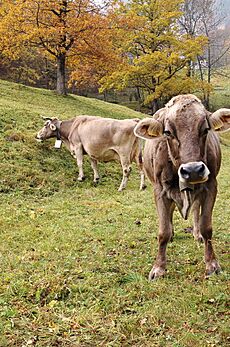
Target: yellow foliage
{"points": [[157, 55]]}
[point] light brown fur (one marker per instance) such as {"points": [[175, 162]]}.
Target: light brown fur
{"points": [[102, 139], [190, 140]]}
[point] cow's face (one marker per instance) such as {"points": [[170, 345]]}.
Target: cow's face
{"points": [[185, 125], [49, 129], [186, 128]]}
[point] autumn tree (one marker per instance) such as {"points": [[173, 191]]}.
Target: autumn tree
{"points": [[101, 53], [56, 28], [155, 52]]}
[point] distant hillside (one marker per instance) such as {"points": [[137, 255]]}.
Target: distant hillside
{"points": [[27, 165]]}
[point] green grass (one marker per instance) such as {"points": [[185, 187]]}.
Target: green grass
{"points": [[220, 97], [75, 257]]}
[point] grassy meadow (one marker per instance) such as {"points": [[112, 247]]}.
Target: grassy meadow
{"points": [[75, 257]]}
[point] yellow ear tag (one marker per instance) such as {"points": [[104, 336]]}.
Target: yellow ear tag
{"points": [[154, 129], [151, 133]]}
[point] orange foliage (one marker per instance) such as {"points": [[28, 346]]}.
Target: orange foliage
{"points": [[73, 30]]}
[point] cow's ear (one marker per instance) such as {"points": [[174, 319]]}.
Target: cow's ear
{"points": [[220, 120], [148, 128], [53, 127]]}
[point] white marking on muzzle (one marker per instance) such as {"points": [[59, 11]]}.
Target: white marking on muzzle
{"points": [[201, 179]]}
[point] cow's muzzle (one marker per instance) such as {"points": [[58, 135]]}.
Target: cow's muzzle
{"points": [[193, 173], [38, 138]]}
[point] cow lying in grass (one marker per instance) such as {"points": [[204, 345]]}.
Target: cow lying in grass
{"points": [[102, 139], [182, 158]]}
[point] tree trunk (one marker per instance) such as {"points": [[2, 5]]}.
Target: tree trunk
{"points": [[189, 69], [154, 106], [61, 83], [139, 99], [207, 98]]}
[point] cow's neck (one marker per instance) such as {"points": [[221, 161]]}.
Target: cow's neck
{"points": [[187, 198], [183, 199], [65, 129]]}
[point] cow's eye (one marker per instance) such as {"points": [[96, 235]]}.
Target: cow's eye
{"points": [[167, 133]]}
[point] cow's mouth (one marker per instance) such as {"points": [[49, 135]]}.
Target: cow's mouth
{"points": [[204, 179], [191, 174], [38, 139]]}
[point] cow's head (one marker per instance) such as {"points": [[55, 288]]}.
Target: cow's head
{"points": [[186, 125], [50, 129]]}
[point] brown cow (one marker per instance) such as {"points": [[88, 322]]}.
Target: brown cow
{"points": [[182, 158], [103, 139]]}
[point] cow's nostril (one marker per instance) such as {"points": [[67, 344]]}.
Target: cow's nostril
{"points": [[184, 173], [201, 169]]}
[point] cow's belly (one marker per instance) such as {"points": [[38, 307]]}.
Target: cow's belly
{"points": [[105, 155]]}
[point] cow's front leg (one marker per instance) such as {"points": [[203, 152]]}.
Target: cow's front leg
{"points": [[126, 168], [212, 265], [165, 208], [95, 170]]}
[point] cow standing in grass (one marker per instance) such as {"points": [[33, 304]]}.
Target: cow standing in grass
{"points": [[182, 158], [102, 139]]}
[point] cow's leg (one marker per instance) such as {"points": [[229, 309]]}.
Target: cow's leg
{"points": [[126, 168], [212, 265], [165, 208], [139, 161], [142, 184], [196, 222], [78, 155], [95, 170]]}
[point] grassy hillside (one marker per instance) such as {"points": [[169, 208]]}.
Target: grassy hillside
{"points": [[75, 257], [29, 165]]}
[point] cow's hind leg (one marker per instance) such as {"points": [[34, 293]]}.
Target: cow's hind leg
{"points": [[78, 155], [165, 210], [212, 265], [139, 161], [142, 184], [126, 168], [95, 170]]}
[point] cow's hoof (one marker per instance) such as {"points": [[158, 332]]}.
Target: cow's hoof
{"points": [[211, 268], [188, 230], [143, 187], [81, 179], [156, 273], [198, 238], [95, 182], [121, 189]]}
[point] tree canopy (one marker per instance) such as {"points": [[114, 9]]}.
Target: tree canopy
{"points": [[149, 45], [57, 28], [156, 52]]}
